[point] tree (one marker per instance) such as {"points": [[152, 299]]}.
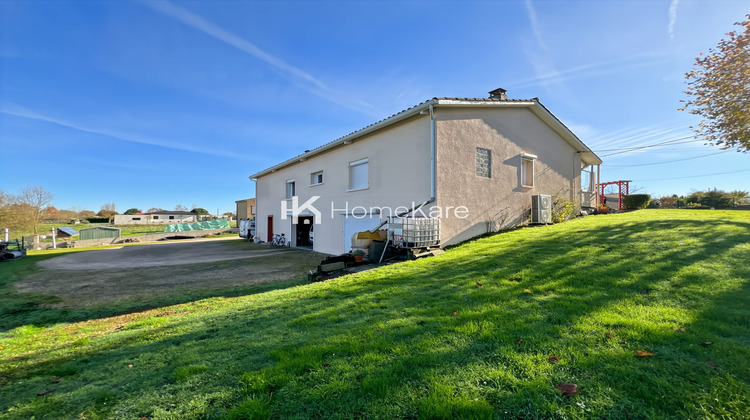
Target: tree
{"points": [[133, 211], [180, 207], [86, 213], [106, 213], [716, 198], [154, 209], [13, 216], [668, 202], [199, 210], [108, 207], [719, 91], [36, 198], [739, 198], [50, 213]]}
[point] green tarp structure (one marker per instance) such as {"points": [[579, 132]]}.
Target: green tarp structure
{"points": [[207, 225]]}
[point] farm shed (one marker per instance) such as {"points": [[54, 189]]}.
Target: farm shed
{"points": [[99, 233], [66, 232]]}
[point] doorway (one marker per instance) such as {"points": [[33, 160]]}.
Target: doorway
{"points": [[301, 232], [269, 237]]}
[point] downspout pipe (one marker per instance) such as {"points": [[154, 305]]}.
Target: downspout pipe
{"points": [[433, 173], [433, 153]]}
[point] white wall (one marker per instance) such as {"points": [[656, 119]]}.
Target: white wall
{"points": [[399, 174], [145, 219]]}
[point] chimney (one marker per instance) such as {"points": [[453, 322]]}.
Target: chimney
{"points": [[499, 93]]}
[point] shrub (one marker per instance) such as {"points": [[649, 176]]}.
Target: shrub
{"points": [[98, 219], [635, 201], [668, 202], [563, 209]]}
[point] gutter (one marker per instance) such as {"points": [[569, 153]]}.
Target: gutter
{"points": [[416, 110], [428, 106]]}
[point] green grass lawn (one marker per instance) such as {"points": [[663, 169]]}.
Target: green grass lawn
{"points": [[467, 334]]}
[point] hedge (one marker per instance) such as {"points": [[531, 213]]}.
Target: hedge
{"points": [[98, 219], [635, 201]]}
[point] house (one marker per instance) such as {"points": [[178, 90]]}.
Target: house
{"points": [[245, 209], [474, 163], [155, 218]]}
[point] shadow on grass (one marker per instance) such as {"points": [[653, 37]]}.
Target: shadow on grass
{"points": [[19, 309], [422, 339]]}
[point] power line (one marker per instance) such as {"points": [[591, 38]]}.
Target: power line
{"points": [[680, 140], [692, 176], [670, 161], [655, 144]]}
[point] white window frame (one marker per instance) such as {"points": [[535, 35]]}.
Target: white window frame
{"points": [[356, 163], [314, 178], [293, 190], [527, 157]]}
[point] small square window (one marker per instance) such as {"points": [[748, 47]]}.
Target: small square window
{"points": [[316, 178], [484, 163], [290, 189], [171, 217], [527, 171]]}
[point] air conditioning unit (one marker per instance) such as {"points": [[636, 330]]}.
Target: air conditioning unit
{"points": [[541, 209]]}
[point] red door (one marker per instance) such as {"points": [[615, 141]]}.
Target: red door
{"points": [[270, 229]]}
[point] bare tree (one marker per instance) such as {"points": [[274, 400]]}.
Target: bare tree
{"points": [[110, 207], [36, 198], [180, 207]]}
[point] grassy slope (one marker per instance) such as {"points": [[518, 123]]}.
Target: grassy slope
{"points": [[422, 339]]}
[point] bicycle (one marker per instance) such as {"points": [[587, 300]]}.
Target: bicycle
{"points": [[279, 240]]}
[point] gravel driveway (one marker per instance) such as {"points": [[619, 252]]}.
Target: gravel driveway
{"points": [[149, 273]]}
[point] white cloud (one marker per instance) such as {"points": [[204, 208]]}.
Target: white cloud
{"points": [[672, 17], [592, 69], [18, 111], [535, 24], [296, 75]]}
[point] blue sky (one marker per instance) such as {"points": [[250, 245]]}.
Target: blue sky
{"points": [[155, 104]]}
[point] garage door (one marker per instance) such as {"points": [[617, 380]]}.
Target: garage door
{"points": [[353, 225]]}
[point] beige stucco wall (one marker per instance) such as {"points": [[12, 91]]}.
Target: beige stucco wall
{"points": [[245, 209], [499, 202], [399, 173]]}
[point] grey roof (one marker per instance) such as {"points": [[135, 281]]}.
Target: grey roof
{"points": [[589, 154], [67, 230]]}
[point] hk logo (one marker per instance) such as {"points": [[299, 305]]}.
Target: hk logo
{"points": [[306, 209]]}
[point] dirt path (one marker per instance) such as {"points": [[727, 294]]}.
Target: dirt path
{"points": [[149, 273], [157, 255]]}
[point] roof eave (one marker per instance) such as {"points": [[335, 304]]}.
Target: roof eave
{"points": [[415, 110], [587, 155]]}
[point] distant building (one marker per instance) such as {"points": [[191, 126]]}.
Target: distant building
{"points": [[245, 209], [155, 218]]}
